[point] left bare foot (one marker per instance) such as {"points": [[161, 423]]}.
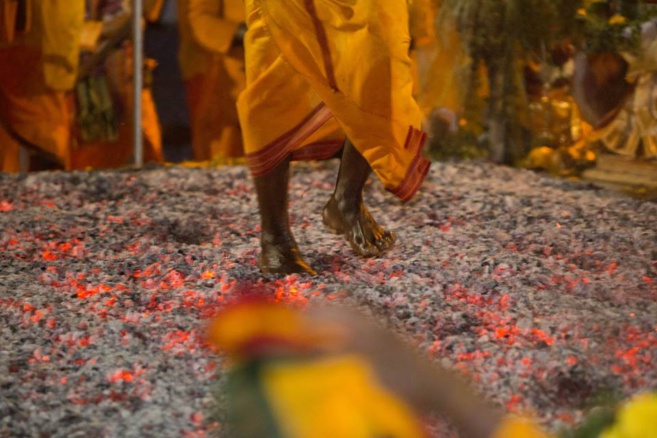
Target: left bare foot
{"points": [[365, 236], [280, 255]]}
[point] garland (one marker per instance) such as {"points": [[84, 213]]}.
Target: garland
{"points": [[636, 418]]}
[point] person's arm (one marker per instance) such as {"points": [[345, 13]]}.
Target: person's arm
{"points": [[210, 30], [422, 17]]}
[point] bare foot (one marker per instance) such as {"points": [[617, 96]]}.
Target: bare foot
{"points": [[366, 237], [282, 257]]}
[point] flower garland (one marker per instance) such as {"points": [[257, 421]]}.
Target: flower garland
{"points": [[635, 418]]}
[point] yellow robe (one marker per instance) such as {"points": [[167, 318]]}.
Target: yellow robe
{"points": [[318, 70], [443, 87], [213, 73], [38, 70], [422, 17], [118, 68], [37, 67]]}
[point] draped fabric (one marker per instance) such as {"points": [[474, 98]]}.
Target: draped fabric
{"points": [[320, 70], [283, 382], [39, 59], [213, 71], [39, 70]]}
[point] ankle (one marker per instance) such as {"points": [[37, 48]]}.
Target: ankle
{"points": [[345, 204], [282, 237]]}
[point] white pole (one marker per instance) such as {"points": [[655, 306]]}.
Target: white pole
{"points": [[138, 81]]}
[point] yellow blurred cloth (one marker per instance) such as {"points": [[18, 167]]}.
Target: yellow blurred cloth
{"points": [[213, 72], [450, 70], [335, 397], [282, 384], [443, 87], [53, 29], [518, 427], [636, 418], [320, 70], [422, 15]]}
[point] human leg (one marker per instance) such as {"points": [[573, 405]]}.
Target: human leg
{"points": [[345, 213], [279, 252]]}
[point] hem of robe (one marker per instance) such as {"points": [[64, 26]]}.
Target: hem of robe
{"points": [[271, 155], [417, 171], [267, 158]]}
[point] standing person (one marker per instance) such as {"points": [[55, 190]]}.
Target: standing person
{"points": [[422, 28], [39, 60], [108, 64], [211, 59], [325, 78], [442, 73]]}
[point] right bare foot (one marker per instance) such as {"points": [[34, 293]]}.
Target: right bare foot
{"points": [[365, 236], [282, 258]]}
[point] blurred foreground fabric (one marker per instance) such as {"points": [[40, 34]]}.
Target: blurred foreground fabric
{"points": [[282, 385]]}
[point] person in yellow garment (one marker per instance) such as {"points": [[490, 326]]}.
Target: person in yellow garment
{"points": [[40, 46], [109, 63], [38, 59], [422, 29], [324, 78], [211, 58], [439, 92]]}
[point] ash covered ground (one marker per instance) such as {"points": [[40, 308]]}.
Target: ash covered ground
{"points": [[543, 292]]}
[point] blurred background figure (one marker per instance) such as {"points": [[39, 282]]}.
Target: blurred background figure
{"points": [[618, 96], [39, 61], [422, 29], [441, 65], [104, 90], [211, 58], [66, 85]]}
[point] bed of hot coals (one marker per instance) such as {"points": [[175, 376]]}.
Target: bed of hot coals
{"points": [[543, 292]]}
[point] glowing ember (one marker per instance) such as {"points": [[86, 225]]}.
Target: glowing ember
{"points": [[109, 277]]}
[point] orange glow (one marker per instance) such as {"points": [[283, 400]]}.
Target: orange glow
{"points": [[208, 275], [6, 205]]}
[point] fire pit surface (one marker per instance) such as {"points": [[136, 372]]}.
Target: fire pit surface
{"points": [[542, 291]]}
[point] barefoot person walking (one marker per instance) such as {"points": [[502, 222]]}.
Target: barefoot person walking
{"points": [[329, 78]]}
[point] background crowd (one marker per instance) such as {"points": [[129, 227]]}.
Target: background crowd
{"points": [[66, 81]]}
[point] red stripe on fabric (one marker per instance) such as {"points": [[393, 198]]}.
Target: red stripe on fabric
{"points": [[323, 43], [263, 161], [418, 169], [408, 137], [286, 136], [318, 151], [260, 168]]}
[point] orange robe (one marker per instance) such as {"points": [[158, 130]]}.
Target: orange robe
{"points": [[444, 79], [213, 73], [38, 71], [422, 17], [38, 67], [100, 154], [320, 70], [118, 69]]}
